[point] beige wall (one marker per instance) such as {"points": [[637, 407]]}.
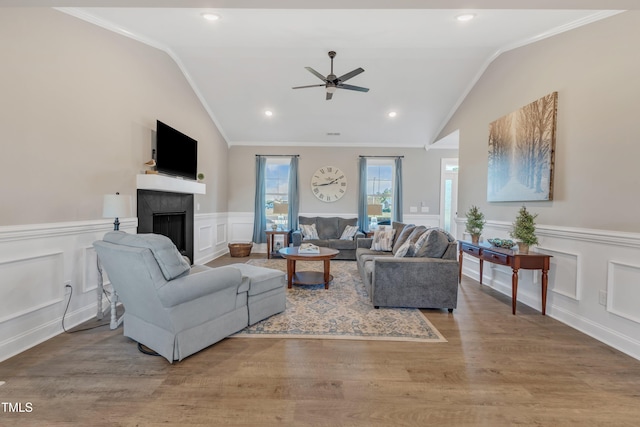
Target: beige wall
{"points": [[421, 175], [595, 70], [78, 105]]}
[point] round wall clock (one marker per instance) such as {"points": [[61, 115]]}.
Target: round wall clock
{"points": [[329, 184]]}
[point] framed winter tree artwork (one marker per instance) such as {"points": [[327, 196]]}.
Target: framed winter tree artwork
{"points": [[521, 153]]}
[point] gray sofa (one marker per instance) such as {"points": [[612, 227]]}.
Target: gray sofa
{"points": [[177, 310], [419, 282], [329, 232]]}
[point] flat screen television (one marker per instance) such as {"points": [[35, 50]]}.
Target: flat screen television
{"points": [[176, 153]]}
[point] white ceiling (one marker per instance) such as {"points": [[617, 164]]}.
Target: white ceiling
{"points": [[419, 60]]}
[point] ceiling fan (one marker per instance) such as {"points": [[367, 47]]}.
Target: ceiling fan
{"points": [[332, 83]]}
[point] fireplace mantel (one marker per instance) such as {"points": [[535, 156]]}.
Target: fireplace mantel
{"points": [[170, 184]]}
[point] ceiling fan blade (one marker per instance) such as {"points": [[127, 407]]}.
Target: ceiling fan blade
{"points": [[329, 95], [351, 74], [352, 87], [302, 87], [315, 73]]}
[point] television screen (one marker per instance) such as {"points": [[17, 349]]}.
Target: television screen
{"points": [[176, 153]]}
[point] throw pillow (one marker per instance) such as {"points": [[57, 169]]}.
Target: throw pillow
{"points": [[446, 233], [383, 239], [405, 250], [309, 232], [349, 232], [402, 237], [432, 244], [398, 226], [416, 233]]}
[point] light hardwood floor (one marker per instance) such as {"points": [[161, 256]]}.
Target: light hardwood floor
{"points": [[496, 370]]}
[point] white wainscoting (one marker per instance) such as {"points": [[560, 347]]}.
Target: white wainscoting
{"points": [[240, 227], [210, 237], [594, 281], [37, 261]]}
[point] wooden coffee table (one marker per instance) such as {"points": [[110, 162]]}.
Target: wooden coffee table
{"points": [[308, 277]]}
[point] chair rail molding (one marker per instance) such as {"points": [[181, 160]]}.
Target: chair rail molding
{"points": [[41, 260]]}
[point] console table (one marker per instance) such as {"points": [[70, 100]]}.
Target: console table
{"points": [[511, 258]]}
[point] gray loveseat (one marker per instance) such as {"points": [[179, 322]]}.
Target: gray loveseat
{"points": [[177, 310], [329, 232], [410, 281]]}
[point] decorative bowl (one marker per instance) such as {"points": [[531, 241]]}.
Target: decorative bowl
{"points": [[502, 243]]}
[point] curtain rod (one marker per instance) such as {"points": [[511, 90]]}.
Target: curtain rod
{"points": [[277, 155], [387, 157]]}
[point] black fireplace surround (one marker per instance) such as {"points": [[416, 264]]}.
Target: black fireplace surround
{"points": [[169, 214]]}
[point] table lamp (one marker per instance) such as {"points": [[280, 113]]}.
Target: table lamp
{"points": [[281, 209], [374, 211], [116, 206]]}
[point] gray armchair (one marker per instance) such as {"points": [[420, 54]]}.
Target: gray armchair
{"points": [[177, 310]]}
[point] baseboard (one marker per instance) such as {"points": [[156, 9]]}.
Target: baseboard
{"points": [[28, 339]]}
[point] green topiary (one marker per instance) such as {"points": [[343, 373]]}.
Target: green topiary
{"points": [[524, 228], [475, 221]]}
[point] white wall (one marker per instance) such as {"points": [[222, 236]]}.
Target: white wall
{"points": [[78, 108], [591, 227]]}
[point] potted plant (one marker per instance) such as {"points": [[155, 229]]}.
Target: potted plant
{"points": [[475, 223], [200, 176], [524, 230]]}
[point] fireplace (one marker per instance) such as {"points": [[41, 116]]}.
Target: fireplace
{"points": [[169, 214]]}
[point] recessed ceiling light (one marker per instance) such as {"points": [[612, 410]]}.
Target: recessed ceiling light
{"points": [[465, 17], [268, 113], [392, 114], [211, 16]]}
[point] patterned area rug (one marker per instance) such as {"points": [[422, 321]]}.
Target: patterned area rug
{"points": [[344, 311]]}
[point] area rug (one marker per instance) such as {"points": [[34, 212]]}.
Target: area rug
{"points": [[343, 311]]}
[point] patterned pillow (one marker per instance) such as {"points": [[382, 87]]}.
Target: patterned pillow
{"points": [[405, 250], [349, 232], [383, 239], [309, 232]]}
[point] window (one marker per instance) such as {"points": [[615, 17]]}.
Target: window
{"points": [[276, 191], [380, 173]]}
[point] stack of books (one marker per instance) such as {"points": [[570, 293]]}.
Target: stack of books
{"points": [[308, 248]]}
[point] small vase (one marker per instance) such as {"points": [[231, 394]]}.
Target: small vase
{"points": [[523, 248], [475, 238]]}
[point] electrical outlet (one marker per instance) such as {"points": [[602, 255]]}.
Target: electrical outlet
{"points": [[413, 209], [67, 287], [424, 209], [602, 298]]}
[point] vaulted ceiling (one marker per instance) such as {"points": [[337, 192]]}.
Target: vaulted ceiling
{"points": [[419, 60]]}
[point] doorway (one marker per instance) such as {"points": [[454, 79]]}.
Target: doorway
{"points": [[449, 195]]}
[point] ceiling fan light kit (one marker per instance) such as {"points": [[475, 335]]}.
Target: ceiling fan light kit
{"points": [[332, 82]]}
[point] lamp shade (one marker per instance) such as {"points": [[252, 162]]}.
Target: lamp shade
{"points": [[281, 208], [374, 210], [116, 206]]}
